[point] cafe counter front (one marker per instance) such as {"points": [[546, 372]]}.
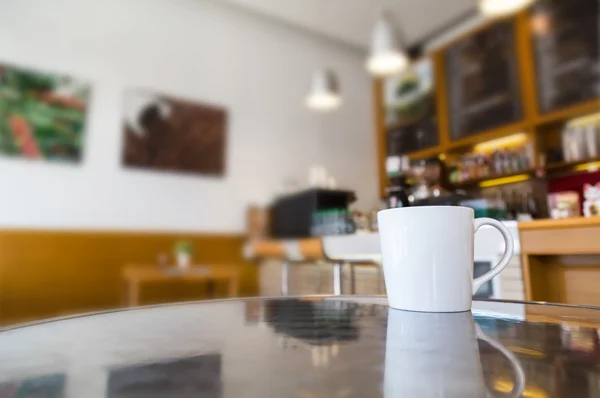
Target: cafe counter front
{"points": [[561, 260]]}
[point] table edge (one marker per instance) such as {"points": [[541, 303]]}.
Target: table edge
{"points": [[242, 299]]}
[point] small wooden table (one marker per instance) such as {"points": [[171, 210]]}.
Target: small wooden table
{"points": [[135, 275]]}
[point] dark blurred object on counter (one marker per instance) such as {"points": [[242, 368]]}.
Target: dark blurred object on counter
{"points": [[332, 222], [436, 176], [396, 191], [312, 212]]}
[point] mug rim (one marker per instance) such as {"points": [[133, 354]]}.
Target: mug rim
{"points": [[421, 208]]}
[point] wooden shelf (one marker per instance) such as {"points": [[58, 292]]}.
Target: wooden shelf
{"points": [[543, 129], [562, 166], [425, 153], [463, 143], [476, 181], [489, 135], [568, 113], [549, 168]]}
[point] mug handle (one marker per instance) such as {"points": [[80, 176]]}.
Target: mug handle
{"points": [[508, 250], [519, 385]]}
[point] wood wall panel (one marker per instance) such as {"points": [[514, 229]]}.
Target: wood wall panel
{"points": [[50, 273], [380, 135], [580, 285]]}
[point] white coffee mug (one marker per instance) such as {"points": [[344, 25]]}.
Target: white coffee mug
{"points": [[427, 255], [437, 355]]}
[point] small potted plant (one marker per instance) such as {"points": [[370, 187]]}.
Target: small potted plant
{"points": [[183, 254]]}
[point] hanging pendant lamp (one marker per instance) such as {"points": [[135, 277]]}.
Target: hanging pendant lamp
{"points": [[324, 91], [499, 8], [387, 57]]}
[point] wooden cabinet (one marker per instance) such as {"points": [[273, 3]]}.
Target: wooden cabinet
{"points": [[526, 74], [561, 260]]}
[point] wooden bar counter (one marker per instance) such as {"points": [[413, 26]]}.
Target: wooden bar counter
{"points": [[561, 260]]}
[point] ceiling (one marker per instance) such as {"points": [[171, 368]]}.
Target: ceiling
{"points": [[351, 21]]}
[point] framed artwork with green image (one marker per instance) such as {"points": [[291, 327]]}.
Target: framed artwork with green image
{"points": [[42, 115]]}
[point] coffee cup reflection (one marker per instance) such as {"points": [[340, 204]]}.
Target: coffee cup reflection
{"points": [[437, 355]]}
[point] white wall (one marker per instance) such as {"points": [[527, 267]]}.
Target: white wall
{"points": [[198, 49]]}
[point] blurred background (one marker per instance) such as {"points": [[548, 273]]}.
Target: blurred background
{"points": [[155, 151]]}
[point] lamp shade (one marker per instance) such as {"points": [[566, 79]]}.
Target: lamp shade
{"points": [[324, 92], [387, 57], [498, 8]]}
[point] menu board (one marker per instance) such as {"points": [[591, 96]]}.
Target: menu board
{"points": [[410, 109], [483, 82], [566, 46]]}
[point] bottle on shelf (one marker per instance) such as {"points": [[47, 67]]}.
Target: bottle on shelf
{"points": [[512, 206], [473, 166], [531, 205], [580, 139]]}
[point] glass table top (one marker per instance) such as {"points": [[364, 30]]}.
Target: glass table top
{"points": [[306, 347]]}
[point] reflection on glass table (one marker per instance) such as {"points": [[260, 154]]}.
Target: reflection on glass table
{"points": [[308, 347], [48, 386], [180, 377]]}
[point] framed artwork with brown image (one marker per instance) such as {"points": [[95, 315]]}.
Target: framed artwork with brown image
{"points": [[170, 134]]}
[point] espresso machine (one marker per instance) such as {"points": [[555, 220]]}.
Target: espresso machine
{"points": [[423, 182]]}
